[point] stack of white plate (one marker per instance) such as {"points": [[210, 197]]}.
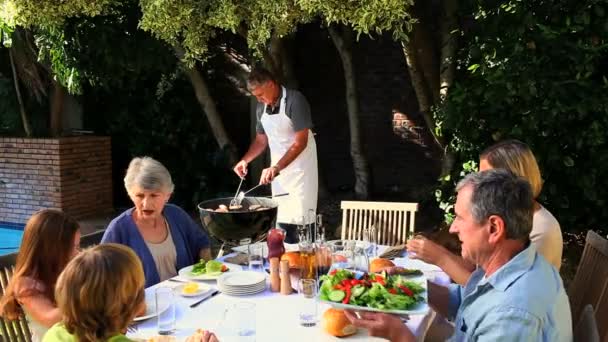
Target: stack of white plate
{"points": [[242, 283]]}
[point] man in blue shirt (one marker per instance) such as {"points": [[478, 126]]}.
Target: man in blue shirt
{"points": [[515, 294]]}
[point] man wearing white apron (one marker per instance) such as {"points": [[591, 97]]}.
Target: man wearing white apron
{"points": [[284, 124]]}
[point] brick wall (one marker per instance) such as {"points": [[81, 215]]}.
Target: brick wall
{"points": [[73, 174]]}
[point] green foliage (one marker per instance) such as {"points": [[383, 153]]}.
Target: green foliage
{"points": [[192, 24], [536, 71], [47, 13], [365, 16]]}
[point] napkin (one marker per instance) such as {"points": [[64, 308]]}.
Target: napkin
{"points": [[393, 252], [239, 259]]}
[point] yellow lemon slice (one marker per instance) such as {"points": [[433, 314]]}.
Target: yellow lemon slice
{"points": [[190, 288]]}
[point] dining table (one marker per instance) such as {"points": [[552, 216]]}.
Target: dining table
{"points": [[276, 315]]}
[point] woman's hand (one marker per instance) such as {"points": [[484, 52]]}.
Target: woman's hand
{"points": [[426, 250], [383, 325]]}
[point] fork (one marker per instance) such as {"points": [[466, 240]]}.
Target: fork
{"points": [[132, 329], [233, 202]]}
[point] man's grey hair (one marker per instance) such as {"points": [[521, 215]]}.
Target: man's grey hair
{"points": [[149, 174], [499, 192], [259, 76]]}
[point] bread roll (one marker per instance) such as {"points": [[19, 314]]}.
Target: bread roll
{"points": [[335, 323], [378, 264], [293, 258]]}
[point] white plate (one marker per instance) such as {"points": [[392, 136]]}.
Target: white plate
{"points": [[150, 307], [239, 279], [185, 272], [419, 309], [245, 293], [202, 289]]}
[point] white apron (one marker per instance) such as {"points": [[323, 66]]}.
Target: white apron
{"points": [[300, 178]]}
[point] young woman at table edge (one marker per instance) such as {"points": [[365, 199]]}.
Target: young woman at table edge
{"points": [[163, 236], [546, 234], [50, 240]]}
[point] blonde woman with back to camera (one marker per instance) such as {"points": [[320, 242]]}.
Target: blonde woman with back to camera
{"points": [[50, 240], [163, 235], [546, 235]]}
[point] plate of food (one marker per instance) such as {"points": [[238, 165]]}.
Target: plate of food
{"points": [[207, 270], [151, 310], [192, 289], [380, 292]]}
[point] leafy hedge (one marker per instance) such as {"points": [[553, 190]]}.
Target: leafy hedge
{"points": [[536, 71]]}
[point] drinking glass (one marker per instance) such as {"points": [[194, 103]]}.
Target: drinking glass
{"points": [[165, 308], [307, 291], [240, 319], [347, 254], [256, 257], [342, 255], [370, 241]]}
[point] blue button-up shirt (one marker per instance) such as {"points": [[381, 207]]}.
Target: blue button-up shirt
{"points": [[524, 300]]}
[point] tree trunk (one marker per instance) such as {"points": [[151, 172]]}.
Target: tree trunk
{"points": [[342, 40], [448, 47], [421, 89], [201, 90], [24, 117], [56, 103], [424, 44]]}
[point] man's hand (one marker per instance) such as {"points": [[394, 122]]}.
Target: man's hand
{"points": [[268, 174], [241, 168], [383, 325]]}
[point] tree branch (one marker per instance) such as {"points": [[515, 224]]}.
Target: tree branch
{"points": [[24, 117], [448, 47]]}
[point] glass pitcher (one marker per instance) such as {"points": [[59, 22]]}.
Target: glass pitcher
{"points": [[350, 255]]}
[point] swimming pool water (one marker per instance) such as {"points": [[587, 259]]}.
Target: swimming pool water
{"points": [[10, 239]]}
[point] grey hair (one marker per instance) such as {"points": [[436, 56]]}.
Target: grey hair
{"points": [[499, 192], [148, 174], [259, 76]]}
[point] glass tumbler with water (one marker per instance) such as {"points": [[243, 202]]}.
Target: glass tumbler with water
{"points": [[307, 291], [240, 318], [256, 257], [165, 309]]}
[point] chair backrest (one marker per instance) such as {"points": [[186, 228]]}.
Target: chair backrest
{"points": [[18, 330], [394, 221], [586, 328], [590, 284], [91, 239]]}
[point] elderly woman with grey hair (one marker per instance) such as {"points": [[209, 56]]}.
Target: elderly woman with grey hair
{"points": [[163, 235]]}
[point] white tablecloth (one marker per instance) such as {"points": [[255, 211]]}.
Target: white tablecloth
{"points": [[276, 315]]}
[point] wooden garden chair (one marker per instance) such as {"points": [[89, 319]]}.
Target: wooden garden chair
{"points": [[13, 331], [91, 239], [586, 328], [393, 221], [590, 284]]}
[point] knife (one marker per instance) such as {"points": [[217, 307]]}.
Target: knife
{"points": [[195, 304]]}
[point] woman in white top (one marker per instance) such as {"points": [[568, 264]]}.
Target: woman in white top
{"points": [[50, 240], [546, 234]]}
